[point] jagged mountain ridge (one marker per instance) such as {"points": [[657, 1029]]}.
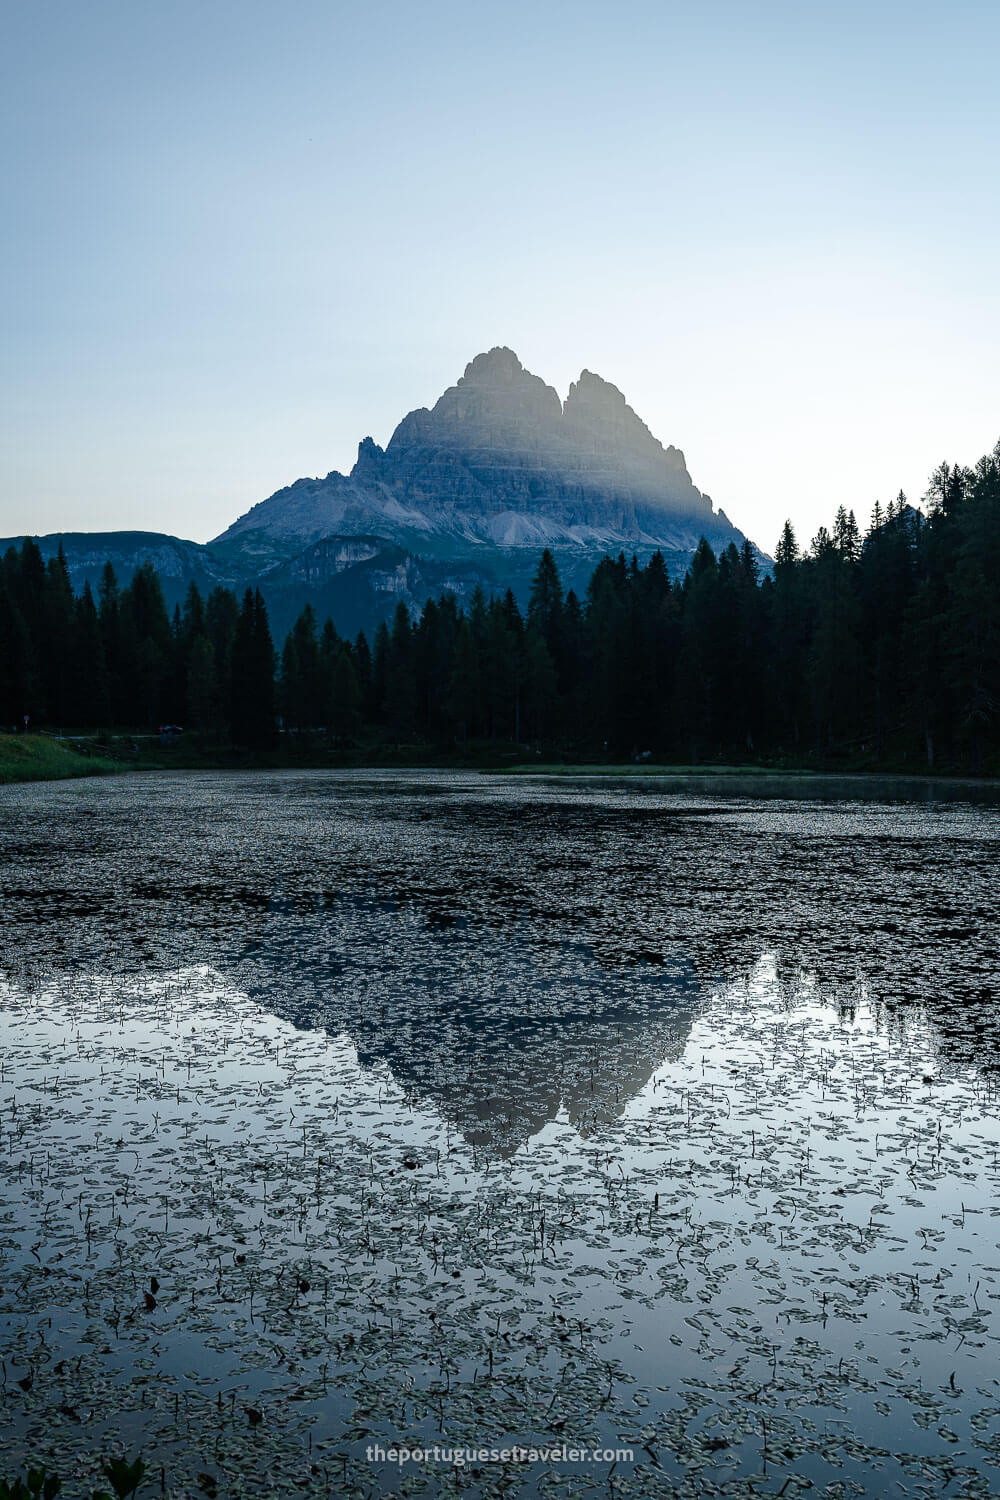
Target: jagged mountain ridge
{"points": [[499, 462], [465, 494]]}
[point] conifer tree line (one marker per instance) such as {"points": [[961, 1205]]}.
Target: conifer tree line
{"points": [[882, 648]]}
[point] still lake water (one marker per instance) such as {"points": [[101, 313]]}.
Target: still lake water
{"points": [[440, 1109]]}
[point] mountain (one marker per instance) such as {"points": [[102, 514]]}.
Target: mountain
{"points": [[498, 466], [465, 494], [179, 563]]}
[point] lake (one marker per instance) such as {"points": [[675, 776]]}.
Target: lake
{"points": [[344, 1113]]}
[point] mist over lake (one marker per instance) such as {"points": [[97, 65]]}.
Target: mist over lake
{"points": [[414, 1109]]}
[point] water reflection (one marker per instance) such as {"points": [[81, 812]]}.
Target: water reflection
{"points": [[443, 1109], [500, 1034], [788, 1222], [398, 909]]}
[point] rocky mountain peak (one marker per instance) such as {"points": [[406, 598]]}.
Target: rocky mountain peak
{"points": [[498, 366], [370, 460], [497, 404], [598, 419], [595, 394], [499, 464]]}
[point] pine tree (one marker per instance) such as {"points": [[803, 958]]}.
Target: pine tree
{"points": [[658, 646], [302, 699], [91, 686], [344, 719], [607, 621], [56, 640], [380, 673], [201, 685], [702, 655], [433, 643], [362, 662], [252, 715], [463, 702], [973, 628], [19, 689], [222, 613], [401, 686], [545, 604], [501, 671], [29, 591], [539, 687], [787, 628], [145, 649]]}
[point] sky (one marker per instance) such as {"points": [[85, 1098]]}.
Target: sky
{"points": [[239, 237]]}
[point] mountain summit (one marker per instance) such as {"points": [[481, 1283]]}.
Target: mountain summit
{"points": [[499, 464]]}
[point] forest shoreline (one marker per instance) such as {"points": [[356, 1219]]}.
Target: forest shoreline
{"points": [[39, 757]]}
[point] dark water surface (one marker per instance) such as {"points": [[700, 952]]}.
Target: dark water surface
{"points": [[478, 1112]]}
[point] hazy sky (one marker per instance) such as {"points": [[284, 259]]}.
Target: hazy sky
{"points": [[238, 237]]}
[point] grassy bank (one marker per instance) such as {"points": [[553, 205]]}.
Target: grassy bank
{"points": [[36, 757], [40, 757]]}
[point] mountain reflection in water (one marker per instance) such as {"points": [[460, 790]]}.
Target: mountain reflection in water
{"points": [[498, 1034]]}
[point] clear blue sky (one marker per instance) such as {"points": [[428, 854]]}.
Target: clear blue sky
{"points": [[238, 237]]}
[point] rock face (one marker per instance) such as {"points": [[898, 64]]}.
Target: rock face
{"points": [[500, 463], [358, 581]]}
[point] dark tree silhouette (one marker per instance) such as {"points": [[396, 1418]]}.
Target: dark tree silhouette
{"points": [[874, 650]]}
